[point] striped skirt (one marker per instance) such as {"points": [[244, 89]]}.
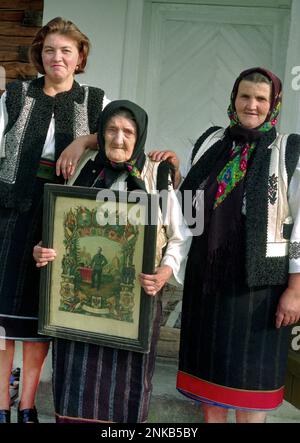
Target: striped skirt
{"points": [[99, 384], [231, 353]]}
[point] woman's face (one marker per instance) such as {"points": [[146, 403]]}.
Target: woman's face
{"points": [[60, 57], [252, 103], [120, 136]]}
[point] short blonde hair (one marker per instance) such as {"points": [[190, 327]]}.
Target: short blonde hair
{"points": [[64, 27]]}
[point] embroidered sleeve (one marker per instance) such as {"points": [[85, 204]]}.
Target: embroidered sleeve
{"points": [[294, 252], [272, 189]]}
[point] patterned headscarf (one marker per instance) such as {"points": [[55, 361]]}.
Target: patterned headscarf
{"points": [[245, 139]]}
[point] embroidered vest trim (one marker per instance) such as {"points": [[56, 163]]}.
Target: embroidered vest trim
{"points": [[29, 108], [268, 218]]}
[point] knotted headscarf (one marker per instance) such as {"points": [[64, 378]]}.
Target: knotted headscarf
{"points": [[245, 139], [109, 170], [219, 252]]}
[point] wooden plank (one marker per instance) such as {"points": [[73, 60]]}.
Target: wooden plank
{"points": [[11, 16], [5, 48], [8, 56], [18, 69], [15, 41], [14, 53], [10, 28], [22, 4]]}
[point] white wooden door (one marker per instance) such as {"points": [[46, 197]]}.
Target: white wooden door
{"points": [[191, 56]]}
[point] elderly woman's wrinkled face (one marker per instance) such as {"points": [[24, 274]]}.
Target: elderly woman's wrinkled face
{"points": [[252, 103], [120, 137]]}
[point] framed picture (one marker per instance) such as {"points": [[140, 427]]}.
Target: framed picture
{"points": [[91, 291]]}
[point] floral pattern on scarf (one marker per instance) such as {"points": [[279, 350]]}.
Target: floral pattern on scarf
{"points": [[235, 170]]}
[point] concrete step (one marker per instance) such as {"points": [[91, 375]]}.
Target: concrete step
{"points": [[167, 405]]}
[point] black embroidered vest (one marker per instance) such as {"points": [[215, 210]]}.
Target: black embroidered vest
{"points": [[260, 269], [30, 110]]}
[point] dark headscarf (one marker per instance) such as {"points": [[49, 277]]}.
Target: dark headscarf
{"points": [[111, 170]]}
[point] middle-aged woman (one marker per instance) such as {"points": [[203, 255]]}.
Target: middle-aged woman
{"points": [[242, 282], [38, 119], [102, 384], [241, 291]]}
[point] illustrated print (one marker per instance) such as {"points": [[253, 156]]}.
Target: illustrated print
{"points": [[98, 274]]}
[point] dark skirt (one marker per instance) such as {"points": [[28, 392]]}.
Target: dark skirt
{"points": [[19, 277], [231, 353], [99, 384]]}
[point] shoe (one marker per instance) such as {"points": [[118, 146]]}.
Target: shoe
{"points": [[4, 416], [28, 415]]}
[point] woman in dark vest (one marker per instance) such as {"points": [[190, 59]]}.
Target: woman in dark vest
{"points": [[38, 120], [242, 282], [99, 383]]}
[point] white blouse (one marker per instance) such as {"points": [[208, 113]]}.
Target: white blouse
{"points": [[179, 239]]}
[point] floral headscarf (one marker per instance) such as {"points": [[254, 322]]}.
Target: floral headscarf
{"points": [[235, 170]]}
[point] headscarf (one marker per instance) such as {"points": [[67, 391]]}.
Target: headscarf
{"points": [[111, 170], [218, 254], [245, 139]]}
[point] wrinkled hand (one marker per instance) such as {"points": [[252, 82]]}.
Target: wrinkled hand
{"points": [[172, 159], [169, 156], [42, 256], [288, 309], [152, 283]]}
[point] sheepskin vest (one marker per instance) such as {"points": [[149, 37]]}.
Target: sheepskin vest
{"points": [[268, 220], [76, 112]]}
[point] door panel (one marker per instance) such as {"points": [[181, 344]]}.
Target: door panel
{"points": [[195, 53]]}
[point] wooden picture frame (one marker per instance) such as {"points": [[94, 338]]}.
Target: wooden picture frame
{"points": [[91, 291]]}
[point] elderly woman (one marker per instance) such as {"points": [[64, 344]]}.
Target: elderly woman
{"points": [[115, 385], [34, 132], [242, 282]]}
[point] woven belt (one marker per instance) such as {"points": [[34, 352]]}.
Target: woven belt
{"points": [[46, 169]]}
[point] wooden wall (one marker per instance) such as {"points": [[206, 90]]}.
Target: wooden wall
{"points": [[19, 22]]}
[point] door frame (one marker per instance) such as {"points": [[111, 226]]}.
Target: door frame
{"points": [[141, 55]]}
